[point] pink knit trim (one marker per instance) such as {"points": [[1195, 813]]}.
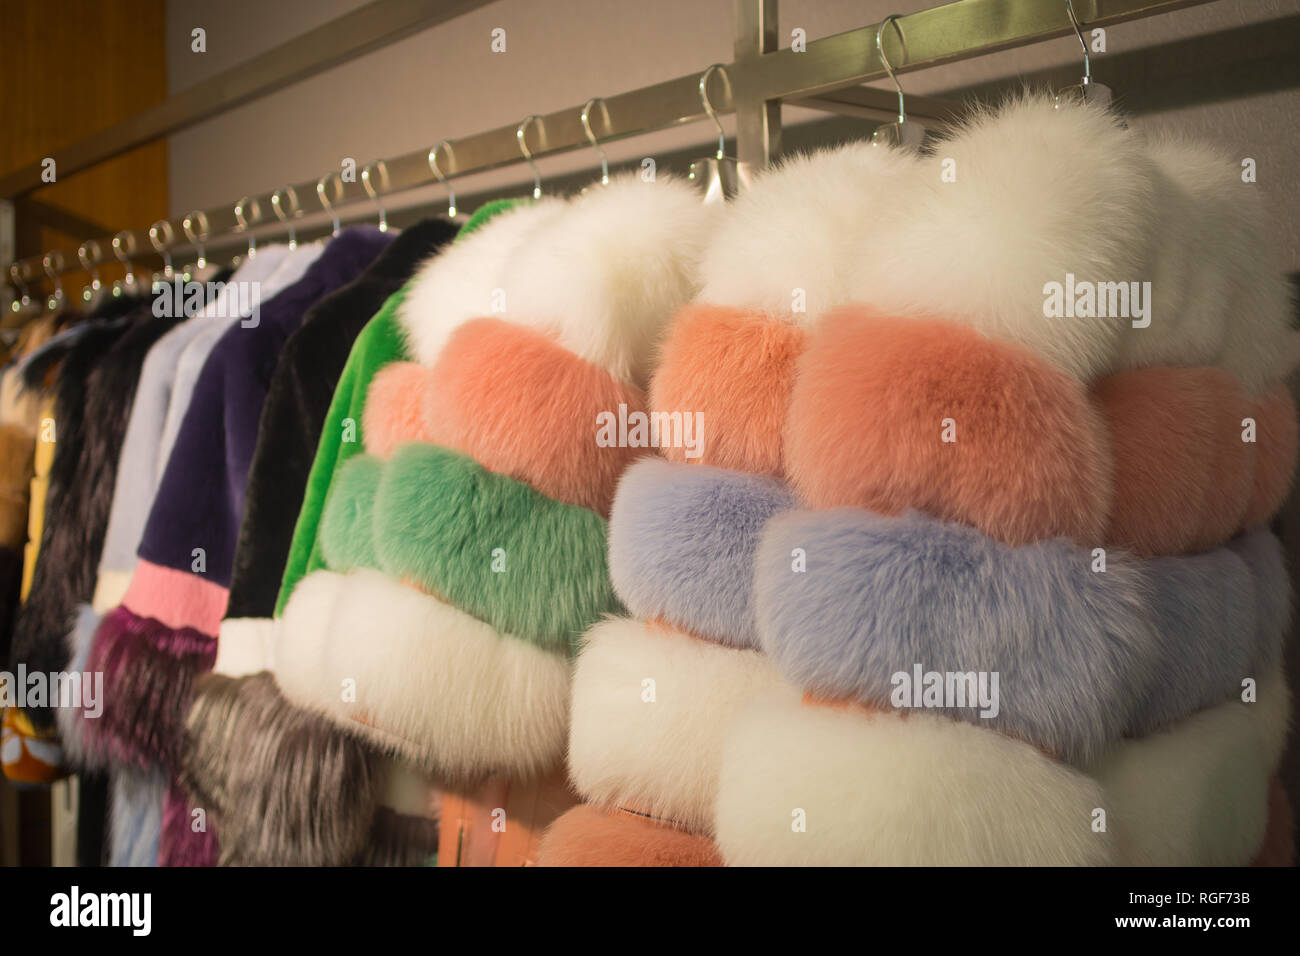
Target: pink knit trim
{"points": [[176, 598]]}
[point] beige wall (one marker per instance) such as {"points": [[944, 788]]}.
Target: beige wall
{"points": [[445, 83]]}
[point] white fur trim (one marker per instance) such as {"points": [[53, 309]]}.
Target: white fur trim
{"points": [[1221, 295], [1038, 192], [1197, 793], [792, 230], [893, 790], [245, 646], [441, 688], [458, 282], [1014, 198], [910, 790], [661, 756], [604, 272]]}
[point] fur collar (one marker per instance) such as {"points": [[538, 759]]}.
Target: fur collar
{"points": [[1084, 657], [602, 272]]}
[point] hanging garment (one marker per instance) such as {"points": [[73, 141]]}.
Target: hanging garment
{"points": [[222, 770], [251, 295], [847, 405], [144, 450], [295, 410], [19, 418], [578, 327], [88, 394], [155, 643]]}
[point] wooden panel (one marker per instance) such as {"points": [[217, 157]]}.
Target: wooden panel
{"points": [[69, 68]]}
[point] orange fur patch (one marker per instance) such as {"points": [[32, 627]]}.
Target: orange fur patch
{"points": [[737, 368]]}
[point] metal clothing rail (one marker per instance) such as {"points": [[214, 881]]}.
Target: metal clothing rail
{"points": [[752, 87]]}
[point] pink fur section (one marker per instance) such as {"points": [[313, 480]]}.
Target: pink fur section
{"points": [[867, 416], [395, 408], [1275, 436], [524, 406], [178, 599], [590, 836], [1183, 475], [737, 368]]}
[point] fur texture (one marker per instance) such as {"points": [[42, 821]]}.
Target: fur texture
{"points": [[297, 404], [379, 344], [682, 542], [180, 843], [1221, 296], [869, 410], [603, 273], [892, 790], [497, 387], [736, 369], [396, 408], [287, 787], [1184, 478], [590, 836], [1275, 461], [433, 684], [1083, 657], [660, 756], [93, 398], [1197, 793], [149, 671], [1039, 192], [347, 526], [458, 283], [443, 522], [808, 224], [72, 720], [245, 646]]}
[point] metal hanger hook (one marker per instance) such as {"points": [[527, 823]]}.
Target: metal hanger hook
{"points": [[1078, 31], [123, 246], [255, 207], [199, 216], [88, 263], [434, 168], [325, 203], [880, 49], [708, 104], [591, 137], [287, 217], [162, 245], [521, 134], [52, 271], [25, 295], [373, 193]]}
